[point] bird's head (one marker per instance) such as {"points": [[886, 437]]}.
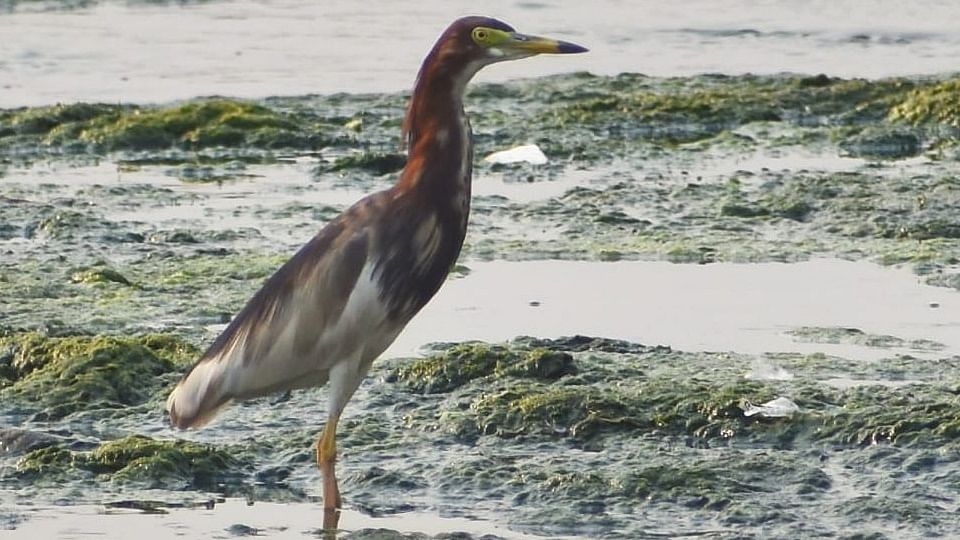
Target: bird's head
{"points": [[466, 46], [490, 40], [470, 43]]}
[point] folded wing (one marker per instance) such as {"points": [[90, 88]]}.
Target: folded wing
{"points": [[310, 313]]}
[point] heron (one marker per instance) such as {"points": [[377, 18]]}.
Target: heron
{"points": [[328, 312]]}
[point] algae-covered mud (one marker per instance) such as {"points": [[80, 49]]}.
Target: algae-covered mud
{"points": [[113, 213], [132, 233], [616, 439], [800, 379]]}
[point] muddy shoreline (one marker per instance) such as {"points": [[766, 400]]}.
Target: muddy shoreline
{"points": [[131, 233]]}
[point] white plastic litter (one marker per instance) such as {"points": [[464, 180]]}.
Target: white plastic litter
{"points": [[529, 153], [775, 408]]}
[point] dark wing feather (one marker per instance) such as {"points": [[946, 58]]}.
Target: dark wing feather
{"points": [[269, 345]]}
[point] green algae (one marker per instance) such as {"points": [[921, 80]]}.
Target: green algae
{"points": [[937, 102], [649, 394], [564, 114], [463, 363], [42, 120], [50, 462], [751, 217], [377, 163], [664, 431], [137, 460], [99, 275], [541, 391], [915, 415], [453, 368], [195, 124], [856, 336], [144, 460], [707, 484], [686, 110], [175, 269], [630, 428], [63, 375], [578, 411], [766, 216], [206, 123], [203, 271], [584, 411]]}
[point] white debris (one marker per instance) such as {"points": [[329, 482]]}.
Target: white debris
{"points": [[529, 153], [775, 408]]}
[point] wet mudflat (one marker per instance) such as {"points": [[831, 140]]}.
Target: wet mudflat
{"points": [[725, 307], [131, 234]]}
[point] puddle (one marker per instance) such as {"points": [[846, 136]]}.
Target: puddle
{"points": [[496, 185], [716, 307], [273, 520]]}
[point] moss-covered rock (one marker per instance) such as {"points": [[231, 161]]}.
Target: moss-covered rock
{"points": [[817, 334], [51, 463], [537, 388], [452, 368], [161, 462], [64, 375], [912, 415], [585, 411], [587, 117], [463, 363], [576, 411], [194, 124], [146, 462], [217, 122], [635, 392], [99, 275], [937, 102], [43, 120], [682, 110]]}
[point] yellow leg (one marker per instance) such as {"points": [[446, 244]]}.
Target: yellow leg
{"points": [[326, 460]]}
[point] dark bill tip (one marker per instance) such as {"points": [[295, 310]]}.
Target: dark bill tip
{"points": [[565, 47]]}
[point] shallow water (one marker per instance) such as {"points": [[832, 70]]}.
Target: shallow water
{"points": [[148, 52], [716, 307], [232, 518]]}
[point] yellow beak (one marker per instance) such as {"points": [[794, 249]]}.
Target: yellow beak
{"points": [[540, 45]]}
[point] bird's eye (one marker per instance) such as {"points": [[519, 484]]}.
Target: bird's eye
{"points": [[480, 35]]}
